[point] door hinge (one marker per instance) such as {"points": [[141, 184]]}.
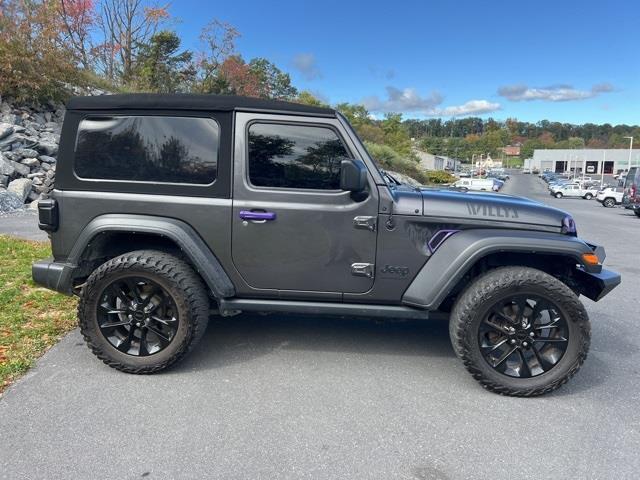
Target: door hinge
{"points": [[362, 269], [368, 223]]}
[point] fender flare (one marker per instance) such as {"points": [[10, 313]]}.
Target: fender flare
{"points": [[457, 255], [182, 234]]}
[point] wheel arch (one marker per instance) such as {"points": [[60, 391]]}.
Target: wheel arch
{"points": [[108, 236], [469, 253]]}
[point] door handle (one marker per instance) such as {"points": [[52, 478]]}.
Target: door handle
{"points": [[257, 216]]}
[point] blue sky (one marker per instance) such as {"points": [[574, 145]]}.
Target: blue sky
{"points": [[569, 61]]}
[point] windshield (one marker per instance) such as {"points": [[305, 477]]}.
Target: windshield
{"points": [[632, 177], [375, 163]]}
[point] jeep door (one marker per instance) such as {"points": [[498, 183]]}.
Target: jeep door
{"points": [[293, 228]]}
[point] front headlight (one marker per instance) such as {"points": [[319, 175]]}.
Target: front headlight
{"points": [[569, 226]]}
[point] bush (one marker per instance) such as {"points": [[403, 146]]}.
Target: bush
{"points": [[439, 177]]}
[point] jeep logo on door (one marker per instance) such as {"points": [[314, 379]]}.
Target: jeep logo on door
{"points": [[395, 270]]}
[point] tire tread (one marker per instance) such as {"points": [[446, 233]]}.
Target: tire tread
{"points": [[505, 277], [171, 268]]}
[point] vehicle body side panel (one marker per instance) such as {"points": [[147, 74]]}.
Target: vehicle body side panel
{"points": [[462, 250], [208, 218], [402, 251]]}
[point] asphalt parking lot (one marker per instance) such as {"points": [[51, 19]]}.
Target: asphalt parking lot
{"points": [[322, 398]]}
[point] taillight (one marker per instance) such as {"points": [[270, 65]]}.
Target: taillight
{"points": [[48, 215]]}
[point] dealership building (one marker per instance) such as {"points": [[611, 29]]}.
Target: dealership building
{"points": [[592, 161]]}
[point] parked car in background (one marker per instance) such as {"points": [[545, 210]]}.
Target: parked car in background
{"points": [[526, 170], [575, 191], [497, 184], [631, 195], [476, 184], [610, 197], [558, 184], [503, 177]]}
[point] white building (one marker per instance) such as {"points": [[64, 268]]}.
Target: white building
{"points": [[592, 161]]}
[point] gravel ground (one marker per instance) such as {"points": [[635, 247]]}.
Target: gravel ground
{"points": [[290, 397]]}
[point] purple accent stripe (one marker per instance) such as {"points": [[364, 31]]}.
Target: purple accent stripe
{"points": [[438, 239], [249, 215]]}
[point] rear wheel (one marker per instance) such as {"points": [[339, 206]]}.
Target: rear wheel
{"points": [[143, 311], [588, 196], [520, 331], [609, 203], [558, 195]]}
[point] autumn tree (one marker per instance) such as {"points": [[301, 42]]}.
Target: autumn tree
{"points": [[161, 67], [77, 19], [217, 45], [273, 82], [34, 64], [307, 98], [126, 26], [233, 77]]}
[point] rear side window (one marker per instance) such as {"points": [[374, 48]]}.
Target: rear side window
{"points": [[295, 156], [633, 177], [148, 149]]}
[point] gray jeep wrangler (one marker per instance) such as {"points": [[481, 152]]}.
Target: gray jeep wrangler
{"points": [[168, 209]]}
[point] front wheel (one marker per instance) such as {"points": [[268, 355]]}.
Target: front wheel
{"points": [[637, 212], [558, 195], [520, 331], [143, 311], [588, 196]]}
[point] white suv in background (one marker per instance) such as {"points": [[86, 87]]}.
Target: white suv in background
{"points": [[610, 197]]}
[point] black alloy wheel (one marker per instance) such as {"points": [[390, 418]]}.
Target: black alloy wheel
{"points": [[520, 331], [523, 336], [137, 316], [143, 311]]}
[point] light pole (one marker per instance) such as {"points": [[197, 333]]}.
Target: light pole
{"points": [[630, 148]]}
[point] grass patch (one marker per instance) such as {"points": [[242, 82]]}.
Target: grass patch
{"points": [[32, 318]]}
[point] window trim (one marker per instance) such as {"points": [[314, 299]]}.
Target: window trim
{"points": [[328, 126], [146, 182]]}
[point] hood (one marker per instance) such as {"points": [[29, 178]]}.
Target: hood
{"points": [[491, 207], [480, 207]]}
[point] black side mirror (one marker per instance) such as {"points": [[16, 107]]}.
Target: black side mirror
{"points": [[353, 175]]}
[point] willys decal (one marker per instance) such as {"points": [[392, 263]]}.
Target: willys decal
{"points": [[497, 211]]}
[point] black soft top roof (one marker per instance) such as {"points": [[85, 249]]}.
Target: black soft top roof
{"points": [[187, 101]]}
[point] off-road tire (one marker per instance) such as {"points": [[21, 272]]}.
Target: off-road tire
{"points": [[483, 293], [172, 274], [609, 202], [558, 195]]}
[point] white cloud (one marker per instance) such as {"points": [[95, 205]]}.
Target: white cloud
{"points": [[553, 93], [408, 100], [472, 107], [305, 63]]}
